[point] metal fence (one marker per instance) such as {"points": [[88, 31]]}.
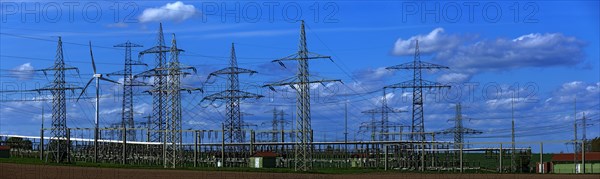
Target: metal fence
{"points": [[206, 148]]}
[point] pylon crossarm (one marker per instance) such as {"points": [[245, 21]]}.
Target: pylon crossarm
{"points": [[231, 70], [294, 82], [312, 55], [189, 90], [420, 83], [152, 73], [156, 49], [295, 56], [427, 65], [470, 131], [179, 73], [404, 66], [120, 73], [185, 67], [127, 44], [57, 69], [285, 82], [416, 65], [225, 95], [387, 109], [455, 130], [51, 88], [19, 91], [45, 71], [146, 74]]}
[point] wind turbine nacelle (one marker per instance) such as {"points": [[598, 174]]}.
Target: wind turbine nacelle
{"points": [[97, 75]]}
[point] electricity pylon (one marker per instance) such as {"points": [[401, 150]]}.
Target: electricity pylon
{"points": [[459, 130], [166, 121], [277, 124], [175, 71], [97, 76], [232, 95], [383, 125], [301, 83], [159, 73], [417, 84], [59, 145], [127, 120]]}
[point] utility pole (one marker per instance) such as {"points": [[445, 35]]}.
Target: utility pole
{"points": [[583, 144], [513, 162], [583, 130], [346, 125], [42, 135], [275, 126], [575, 134], [232, 96], [301, 83]]}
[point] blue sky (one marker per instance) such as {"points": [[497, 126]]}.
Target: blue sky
{"points": [[547, 51]]}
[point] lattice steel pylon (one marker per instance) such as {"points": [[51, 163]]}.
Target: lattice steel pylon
{"points": [[232, 95], [459, 130], [158, 91], [417, 84], [59, 145], [303, 146], [175, 70], [383, 125], [128, 84], [277, 124]]}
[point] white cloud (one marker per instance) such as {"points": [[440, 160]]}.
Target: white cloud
{"points": [[177, 11], [454, 78], [469, 55], [23, 72], [584, 92], [435, 41]]}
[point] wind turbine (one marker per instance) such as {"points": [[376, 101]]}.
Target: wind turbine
{"points": [[97, 77]]}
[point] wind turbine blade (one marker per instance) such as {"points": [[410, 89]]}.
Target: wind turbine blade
{"points": [[84, 88], [92, 55], [109, 80]]}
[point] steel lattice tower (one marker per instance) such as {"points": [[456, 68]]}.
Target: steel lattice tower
{"points": [[459, 130], [382, 126], [159, 73], [417, 84], [128, 84], [233, 122], [173, 108], [277, 124], [301, 83], [59, 147]]}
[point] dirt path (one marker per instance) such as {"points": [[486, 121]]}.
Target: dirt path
{"points": [[18, 171]]}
